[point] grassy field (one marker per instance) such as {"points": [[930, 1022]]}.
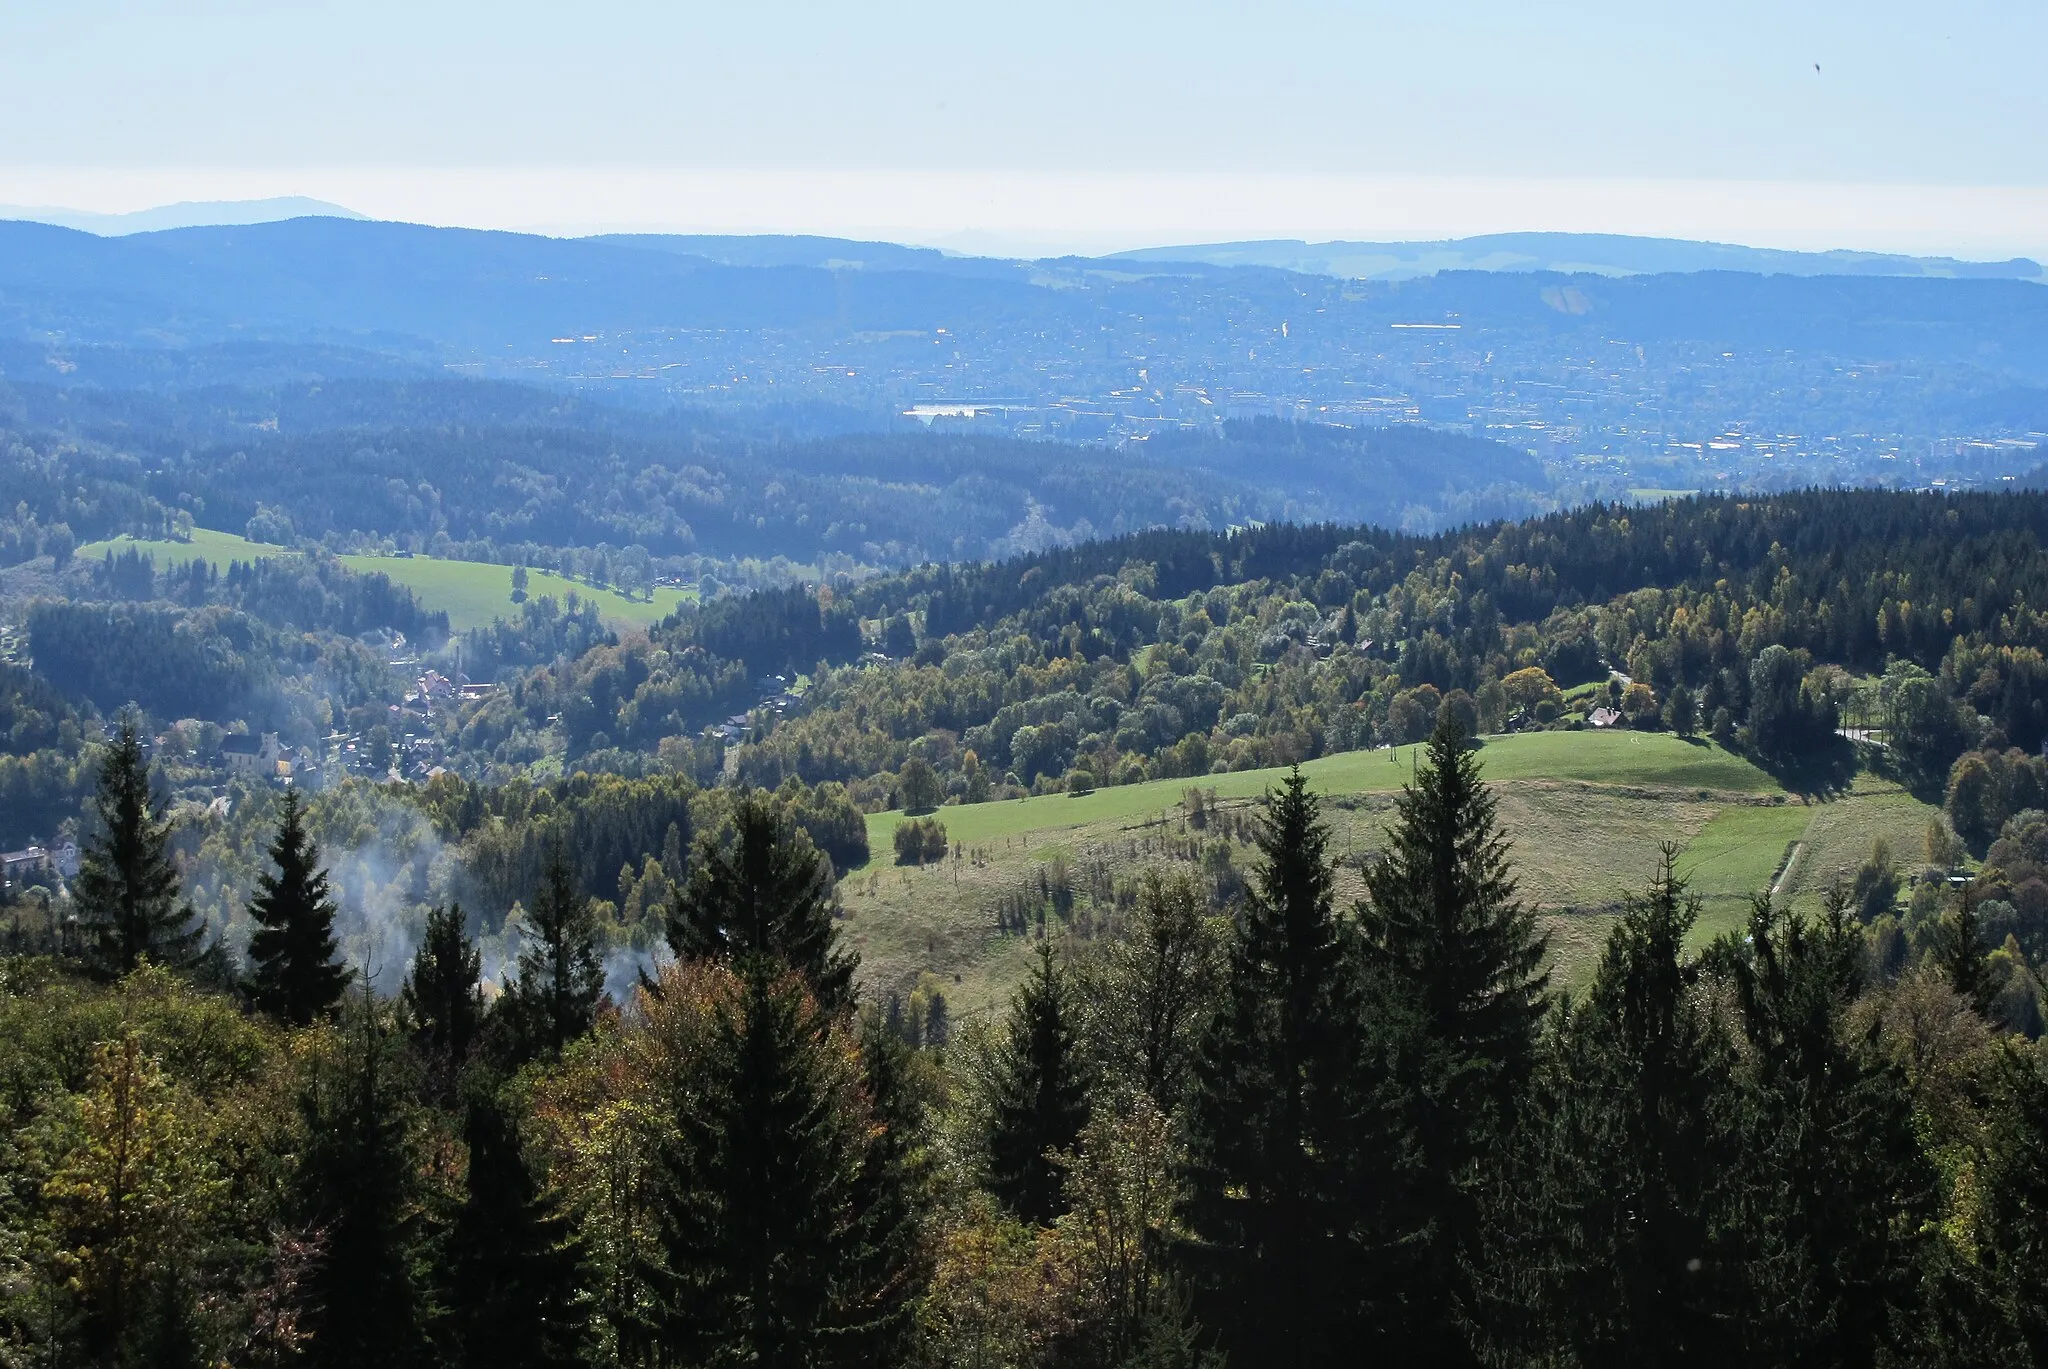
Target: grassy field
{"points": [[215, 548], [1739, 853], [472, 593], [1610, 758], [1587, 814]]}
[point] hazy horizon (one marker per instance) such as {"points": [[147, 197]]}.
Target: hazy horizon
{"points": [[1011, 215], [1058, 127]]}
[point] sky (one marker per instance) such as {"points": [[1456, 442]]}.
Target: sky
{"points": [[1055, 125]]}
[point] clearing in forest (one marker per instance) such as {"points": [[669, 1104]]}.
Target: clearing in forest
{"points": [[1587, 813], [471, 593]]}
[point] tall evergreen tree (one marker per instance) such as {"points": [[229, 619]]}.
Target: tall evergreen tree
{"points": [[1041, 1103], [1293, 1187], [1960, 949], [127, 888], [561, 966], [442, 998], [1605, 1246], [357, 1186], [1442, 921], [888, 1267], [765, 891], [295, 976], [758, 1192], [1442, 915], [2014, 1213], [1834, 1190], [510, 1261]]}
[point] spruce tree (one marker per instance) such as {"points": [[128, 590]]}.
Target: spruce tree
{"points": [[1441, 915], [127, 888], [1040, 1103], [442, 998], [2013, 1223], [510, 1261], [1835, 1191], [757, 1192], [1959, 946], [295, 976], [888, 1263], [765, 891], [1292, 1178], [561, 966], [1605, 1242], [357, 1187], [1442, 923]]}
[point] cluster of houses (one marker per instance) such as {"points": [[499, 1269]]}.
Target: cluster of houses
{"points": [[776, 697], [48, 866], [415, 754]]}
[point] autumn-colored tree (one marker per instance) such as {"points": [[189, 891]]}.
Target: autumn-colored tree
{"points": [[124, 1204]]}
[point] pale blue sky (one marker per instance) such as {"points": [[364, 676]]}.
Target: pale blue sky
{"points": [[125, 102]]}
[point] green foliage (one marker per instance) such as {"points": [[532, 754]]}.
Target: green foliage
{"points": [[509, 1264], [918, 785], [920, 841], [1987, 788], [892, 1193], [1040, 1101], [1833, 1189], [1959, 948], [1608, 1236], [2014, 1209], [128, 890], [561, 966], [1145, 996], [1294, 1160], [1443, 923], [1442, 919], [358, 1185], [294, 974], [763, 892], [441, 1001], [765, 1191]]}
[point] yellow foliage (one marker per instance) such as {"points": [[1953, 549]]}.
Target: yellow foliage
{"points": [[133, 1186]]}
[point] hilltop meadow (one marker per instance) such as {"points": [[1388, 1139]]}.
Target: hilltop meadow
{"points": [[1586, 812]]}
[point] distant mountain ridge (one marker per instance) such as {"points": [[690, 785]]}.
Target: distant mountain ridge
{"points": [[1605, 254], [185, 214], [417, 290]]}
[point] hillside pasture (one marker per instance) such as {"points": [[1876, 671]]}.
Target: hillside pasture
{"points": [[471, 593], [1587, 814]]}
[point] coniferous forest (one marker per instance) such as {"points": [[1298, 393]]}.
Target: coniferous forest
{"points": [[1304, 1131]]}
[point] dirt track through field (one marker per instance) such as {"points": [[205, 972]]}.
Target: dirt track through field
{"points": [[1791, 865]]}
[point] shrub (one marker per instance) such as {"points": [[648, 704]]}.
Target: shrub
{"points": [[920, 841]]}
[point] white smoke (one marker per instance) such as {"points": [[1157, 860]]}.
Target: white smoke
{"points": [[384, 883]]}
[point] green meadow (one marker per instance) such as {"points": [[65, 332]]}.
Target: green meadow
{"points": [[215, 548], [475, 592], [1587, 815], [1605, 758], [471, 593]]}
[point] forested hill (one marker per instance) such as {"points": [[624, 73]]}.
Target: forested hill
{"points": [[1164, 654], [1843, 554], [426, 460]]}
